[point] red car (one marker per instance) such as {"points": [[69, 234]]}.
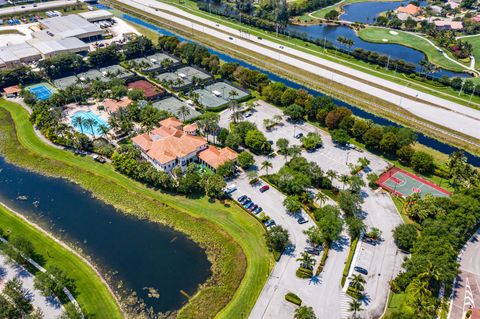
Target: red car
{"points": [[264, 188]]}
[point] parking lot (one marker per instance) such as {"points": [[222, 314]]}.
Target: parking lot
{"points": [[329, 156]]}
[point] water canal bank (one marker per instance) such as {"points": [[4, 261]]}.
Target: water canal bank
{"points": [[229, 236]]}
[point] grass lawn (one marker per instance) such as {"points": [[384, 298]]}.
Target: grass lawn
{"points": [[92, 295], [475, 42], [377, 35], [233, 239], [394, 303]]}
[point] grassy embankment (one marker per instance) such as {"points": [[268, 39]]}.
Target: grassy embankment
{"points": [[475, 42], [91, 293], [363, 100], [232, 239], [332, 55], [379, 35]]}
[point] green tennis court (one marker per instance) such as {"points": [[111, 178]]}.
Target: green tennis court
{"points": [[403, 183]]}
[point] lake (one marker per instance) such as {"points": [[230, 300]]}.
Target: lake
{"points": [[143, 254], [368, 11]]}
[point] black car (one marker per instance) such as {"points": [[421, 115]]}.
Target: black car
{"points": [[242, 198], [302, 220], [299, 135], [361, 270]]}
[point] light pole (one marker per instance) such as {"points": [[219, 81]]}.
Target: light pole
{"points": [[473, 92]]}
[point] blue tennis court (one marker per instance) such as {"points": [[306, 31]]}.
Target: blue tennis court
{"points": [[42, 91]]}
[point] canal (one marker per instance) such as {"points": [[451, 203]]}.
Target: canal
{"points": [[423, 139], [144, 257]]}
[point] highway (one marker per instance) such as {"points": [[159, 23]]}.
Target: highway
{"points": [[35, 7], [446, 113]]}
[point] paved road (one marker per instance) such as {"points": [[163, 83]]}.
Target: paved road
{"points": [[38, 7], [50, 307], [467, 286], [448, 114], [384, 260]]}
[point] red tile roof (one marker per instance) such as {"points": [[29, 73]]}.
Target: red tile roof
{"points": [[409, 9], [217, 157], [115, 105], [12, 89]]}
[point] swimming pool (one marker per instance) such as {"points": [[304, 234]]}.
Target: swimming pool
{"points": [[86, 126], [42, 90]]}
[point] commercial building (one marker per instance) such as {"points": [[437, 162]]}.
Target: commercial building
{"points": [[70, 26], [51, 47], [14, 55], [96, 15]]}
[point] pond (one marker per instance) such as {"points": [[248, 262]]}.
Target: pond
{"points": [[423, 139], [395, 51], [142, 254], [368, 11]]}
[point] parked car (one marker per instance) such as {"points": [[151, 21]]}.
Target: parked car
{"points": [[248, 205], [302, 220], [299, 136], [270, 223], [248, 114], [312, 250], [230, 188], [264, 188], [98, 158], [231, 38], [242, 198], [252, 208], [361, 270], [258, 210]]}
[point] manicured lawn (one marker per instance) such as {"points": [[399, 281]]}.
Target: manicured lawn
{"points": [[92, 295], [475, 41], [378, 35], [232, 238], [394, 303]]}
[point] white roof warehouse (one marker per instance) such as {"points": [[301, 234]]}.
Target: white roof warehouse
{"points": [[59, 35]]}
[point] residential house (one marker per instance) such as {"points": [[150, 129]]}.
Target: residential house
{"points": [[410, 9], [448, 24], [213, 157], [174, 145]]}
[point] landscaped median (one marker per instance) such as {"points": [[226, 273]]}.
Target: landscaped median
{"points": [[233, 240]]}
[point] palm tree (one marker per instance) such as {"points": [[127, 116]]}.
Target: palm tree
{"points": [[183, 111], [306, 260], [266, 165], [357, 282], [354, 306], [78, 122], [104, 129], [331, 174], [236, 116], [321, 197], [91, 122], [295, 150], [344, 179], [232, 94]]}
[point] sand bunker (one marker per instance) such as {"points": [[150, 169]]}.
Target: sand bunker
{"points": [[385, 40], [393, 32]]}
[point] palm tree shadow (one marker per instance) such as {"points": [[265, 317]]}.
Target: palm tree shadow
{"points": [[315, 280]]}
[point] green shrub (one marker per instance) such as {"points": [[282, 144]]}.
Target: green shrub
{"points": [[304, 273], [353, 246], [293, 298], [322, 261]]}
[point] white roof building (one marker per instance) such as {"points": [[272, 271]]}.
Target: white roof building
{"points": [[14, 55], [55, 46], [96, 15], [70, 26]]}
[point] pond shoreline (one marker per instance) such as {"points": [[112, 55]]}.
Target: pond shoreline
{"points": [[218, 258]]}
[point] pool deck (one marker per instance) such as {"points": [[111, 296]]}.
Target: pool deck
{"points": [[73, 108]]}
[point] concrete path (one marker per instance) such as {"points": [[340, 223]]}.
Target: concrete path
{"points": [[51, 307]]}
